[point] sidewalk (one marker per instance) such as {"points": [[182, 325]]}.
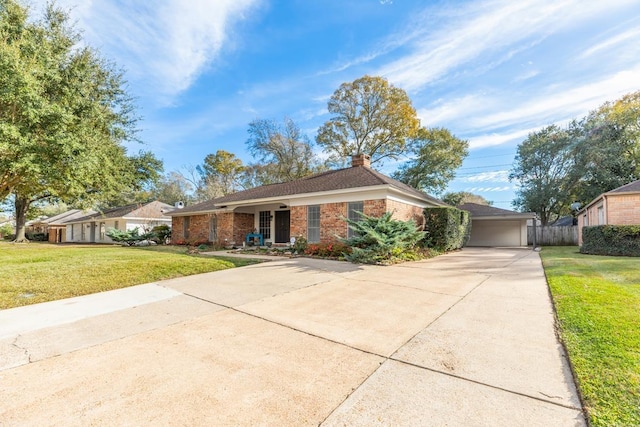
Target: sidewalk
{"points": [[464, 339]]}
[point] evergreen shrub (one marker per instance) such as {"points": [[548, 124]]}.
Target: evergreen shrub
{"points": [[383, 240], [446, 228], [615, 240]]}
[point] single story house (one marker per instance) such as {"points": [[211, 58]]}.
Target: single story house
{"points": [[620, 206], [313, 207], [55, 227], [492, 226], [92, 228]]}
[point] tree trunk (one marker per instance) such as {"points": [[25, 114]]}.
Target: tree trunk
{"points": [[22, 205]]}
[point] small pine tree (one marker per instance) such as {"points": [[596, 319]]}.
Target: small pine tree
{"points": [[382, 240]]}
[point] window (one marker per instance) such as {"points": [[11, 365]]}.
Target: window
{"points": [[102, 230], [185, 227], [601, 215], [313, 224], [82, 232], [585, 220], [115, 225], [213, 229], [265, 224], [354, 209]]}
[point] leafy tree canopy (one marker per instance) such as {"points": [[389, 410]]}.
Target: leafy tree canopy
{"points": [[556, 167], [461, 197], [370, 116], [435, 155], [64, 114], [283, 148]]}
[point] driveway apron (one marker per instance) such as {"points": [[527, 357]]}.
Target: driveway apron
{"points": [[467, 338]]}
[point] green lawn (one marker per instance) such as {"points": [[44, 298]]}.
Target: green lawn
{"points": [[598, 304], [39, 272]]}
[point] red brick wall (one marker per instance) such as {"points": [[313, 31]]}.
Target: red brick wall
{"points": [[299, 221], [405, 212], [332, 221], [243, 224], [375, 207], [231, 227]]}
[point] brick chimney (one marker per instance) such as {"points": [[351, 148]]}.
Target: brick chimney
{"points": [[360, 160]]}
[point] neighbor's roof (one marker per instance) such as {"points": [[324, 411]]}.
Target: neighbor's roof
{"points": [[632, 187], [485, 211], [341, 179], [67, 216], [122, 211]]}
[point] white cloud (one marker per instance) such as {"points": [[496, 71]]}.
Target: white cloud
{"points": [[555, 104], [633, 33], [488, 189], [494, 176], [166, 44], [490, 27]]}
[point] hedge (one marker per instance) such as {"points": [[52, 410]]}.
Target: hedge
{"points": [[446, 228], [613, 240]]}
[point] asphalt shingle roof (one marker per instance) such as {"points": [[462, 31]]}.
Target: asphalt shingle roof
{"points": [[484, 210], [340, 179], [631, 187]]}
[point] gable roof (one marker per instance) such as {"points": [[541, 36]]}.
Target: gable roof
{"points": [[632, 187], [67, 216], [340, 179], [129, 211], [487, 212]]}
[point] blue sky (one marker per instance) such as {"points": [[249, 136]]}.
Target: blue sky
{"points": [[490, 71]]}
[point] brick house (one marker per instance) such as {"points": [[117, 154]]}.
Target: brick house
{"points": [[620, 206], [313, 207], [92, 228]]}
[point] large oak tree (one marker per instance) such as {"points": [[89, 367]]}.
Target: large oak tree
{"points": [[64, 115], [370, 116]]}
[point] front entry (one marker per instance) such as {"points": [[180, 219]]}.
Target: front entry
{"points": [[282, 227]]}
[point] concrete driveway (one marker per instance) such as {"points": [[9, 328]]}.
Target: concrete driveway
{"points": [[463, 339]]}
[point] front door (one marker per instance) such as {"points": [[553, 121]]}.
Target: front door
{"points": [[282, 227]]}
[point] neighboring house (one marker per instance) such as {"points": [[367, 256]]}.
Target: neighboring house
{"points": [[57, 227], [313, 207], [620, 206], [93, 228], [497, 227]]}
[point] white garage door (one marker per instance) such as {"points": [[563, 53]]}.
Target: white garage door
{"points": [[496, 233]]}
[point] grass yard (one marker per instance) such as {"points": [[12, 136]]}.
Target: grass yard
{"points": [[598, 304], [39, 272]]}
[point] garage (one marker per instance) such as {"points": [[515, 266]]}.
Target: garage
{"points": [[496, 227]]}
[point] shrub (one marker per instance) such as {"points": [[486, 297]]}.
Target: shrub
{"points": [[300, 246], [382, 240], [161, 234], [327, 250], [127, 237], [446, 228], [613, 240]]}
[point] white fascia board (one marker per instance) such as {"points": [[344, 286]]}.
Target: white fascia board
{"points": [[409, 199], [510, 217]]}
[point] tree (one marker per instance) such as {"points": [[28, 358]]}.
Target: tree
{"points": [[608, 147], [461, 197], [172, 188], [370, 117], [543, 166], [435, 155], [221, 173], [283, 147], [64, 115]]}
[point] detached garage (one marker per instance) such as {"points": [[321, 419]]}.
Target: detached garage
{"points": [[496, 227]]}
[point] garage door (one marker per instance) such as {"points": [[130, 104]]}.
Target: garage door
{"points": [[495, 233]]}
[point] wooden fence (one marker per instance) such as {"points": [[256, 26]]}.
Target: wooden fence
{"points": [[554, 236]]}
